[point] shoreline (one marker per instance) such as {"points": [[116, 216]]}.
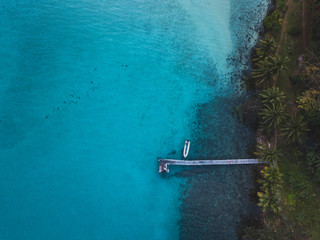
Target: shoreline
{"points": [[234, 131], [278, 195]]}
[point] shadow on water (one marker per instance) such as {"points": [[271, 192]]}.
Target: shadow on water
{"points": [[216, 197]]}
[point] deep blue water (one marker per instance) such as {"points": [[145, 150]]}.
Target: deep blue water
{"points": [[92, 92]]}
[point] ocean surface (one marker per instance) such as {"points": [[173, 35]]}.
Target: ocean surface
{"points": [[92, 92]]}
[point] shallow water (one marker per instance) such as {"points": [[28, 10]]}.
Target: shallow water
{"points": [[92, 92]]}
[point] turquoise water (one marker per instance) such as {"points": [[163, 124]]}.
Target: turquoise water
{"points": [[92, 92]]}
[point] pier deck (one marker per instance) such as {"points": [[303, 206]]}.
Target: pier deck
{"points": [[163, 163]]}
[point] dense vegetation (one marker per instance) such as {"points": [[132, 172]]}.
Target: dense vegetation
{"points": [[284, 109]]}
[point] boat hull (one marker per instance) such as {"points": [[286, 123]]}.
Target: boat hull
{"points": [[186, 148]]}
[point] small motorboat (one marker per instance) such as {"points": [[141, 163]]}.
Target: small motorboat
{"points": [[186, 148]]}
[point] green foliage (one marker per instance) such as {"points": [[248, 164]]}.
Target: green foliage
{"points": [[272, 115], [294, 128], [269, 201], [281, 5], [272, 95], [269, 198], [276, 229], [273, 22], [309, 101], [313, 163], [298, 185], [261, 71], [313, 160], [299, 217], [271, 178], [266, 47], [268, 154], [269, 68], [277, 64], [291, 201], [310, 68]]}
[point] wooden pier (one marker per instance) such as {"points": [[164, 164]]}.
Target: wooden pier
{"points": [[163, 163]]}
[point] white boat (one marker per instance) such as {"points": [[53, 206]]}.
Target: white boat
{"points": [[186, 148]]}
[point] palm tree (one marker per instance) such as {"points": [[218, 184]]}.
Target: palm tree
{"points": [[313, 162], [270, 184], [271, 178], [268, 200], [295, 128], [272, 95], [270, 68], [261, 72], [267, 47], [272, 115], [276, 65], [268, 154]]}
